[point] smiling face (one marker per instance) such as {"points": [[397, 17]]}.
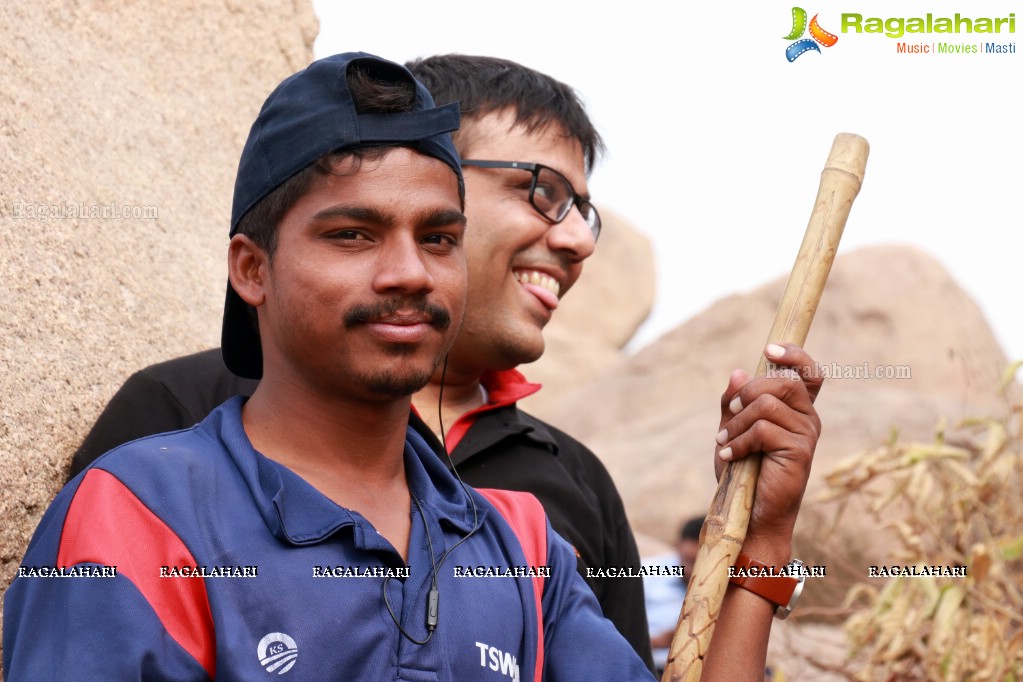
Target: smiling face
{"points": [[366, 287], [520, 264]]}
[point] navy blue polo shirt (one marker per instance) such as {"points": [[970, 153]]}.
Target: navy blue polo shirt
{"points": [[190, 556]]}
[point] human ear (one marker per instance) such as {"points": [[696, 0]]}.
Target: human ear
{"points": [[247, 268]]}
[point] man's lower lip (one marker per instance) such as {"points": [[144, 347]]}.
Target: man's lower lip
{"points": [[400, 333]]}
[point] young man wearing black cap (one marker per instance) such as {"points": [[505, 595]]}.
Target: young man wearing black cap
{"points": [[523, 255], [540, 248], [306, 531]]}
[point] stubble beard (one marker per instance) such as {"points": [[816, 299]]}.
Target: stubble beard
{"points": [[404, 379], [395, 383]]}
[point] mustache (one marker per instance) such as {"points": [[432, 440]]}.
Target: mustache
{"points": [[435, 315]]}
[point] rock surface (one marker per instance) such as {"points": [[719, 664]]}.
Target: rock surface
{"points": [[652, 418], [133, 114]]}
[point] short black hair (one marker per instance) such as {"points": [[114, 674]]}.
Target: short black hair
{"points": [[375, 89], [691, 529], [483, 85]]}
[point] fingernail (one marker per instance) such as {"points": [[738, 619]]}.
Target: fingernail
{"points": [[736, 405], [722, 437], [773, 350], [725, 454]]}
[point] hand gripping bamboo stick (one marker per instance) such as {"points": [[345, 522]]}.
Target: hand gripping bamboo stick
{"points": [[725, 528]]}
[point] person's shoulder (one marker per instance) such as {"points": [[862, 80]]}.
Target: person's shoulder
{"points": [[154, 453], [158, 486], [167, 396], [210, 359], [203, 369], [579, 459], [165, 454], [567, 445]]}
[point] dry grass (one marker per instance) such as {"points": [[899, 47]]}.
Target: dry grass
{"points": [[955, 502]]}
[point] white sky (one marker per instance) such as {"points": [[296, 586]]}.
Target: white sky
{"points": [[716, 142]]}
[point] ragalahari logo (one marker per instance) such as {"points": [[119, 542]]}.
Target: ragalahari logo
{"points": [[817, 35]]}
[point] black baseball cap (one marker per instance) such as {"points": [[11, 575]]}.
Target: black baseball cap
{"points": [[308, 116]]}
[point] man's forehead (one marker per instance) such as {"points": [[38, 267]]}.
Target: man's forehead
{"points": [[498, 136], [363, 166], [392, 172]]}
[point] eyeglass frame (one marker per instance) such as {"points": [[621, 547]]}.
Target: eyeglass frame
{"points": [[535, 169]]}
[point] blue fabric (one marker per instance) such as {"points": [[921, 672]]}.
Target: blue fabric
{"points": [[233, 507]]}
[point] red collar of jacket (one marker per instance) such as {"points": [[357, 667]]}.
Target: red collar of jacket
{"points": [[504, 387]]}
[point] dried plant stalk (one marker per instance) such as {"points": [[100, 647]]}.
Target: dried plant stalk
{"points": [[946, 504]]}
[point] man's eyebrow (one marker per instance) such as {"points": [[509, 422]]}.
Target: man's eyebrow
{"points": [[438, 218], [585, 196], [443, 218], [360, 213]]}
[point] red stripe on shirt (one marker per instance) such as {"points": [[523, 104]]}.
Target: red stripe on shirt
{"points": [[107, 524], [526, 516]]}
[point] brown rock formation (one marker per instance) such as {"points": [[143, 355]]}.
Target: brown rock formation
{"points": [[121, 124], [652, 419]]}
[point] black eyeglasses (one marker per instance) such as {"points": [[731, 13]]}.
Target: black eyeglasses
{"points": [[550, 192]]}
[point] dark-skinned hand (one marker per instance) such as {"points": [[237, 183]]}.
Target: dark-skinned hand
{"points": [[773, 415]]}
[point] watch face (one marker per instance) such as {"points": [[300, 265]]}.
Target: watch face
{"points": [[783, 611]]}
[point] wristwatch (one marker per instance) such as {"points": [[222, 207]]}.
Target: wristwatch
{"points": [[781, 590]]}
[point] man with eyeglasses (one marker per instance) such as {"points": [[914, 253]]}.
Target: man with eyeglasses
{"points": [[550, 192], [527, 147]]}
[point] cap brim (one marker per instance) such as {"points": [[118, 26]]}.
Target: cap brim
{"points": [[239, 338]]}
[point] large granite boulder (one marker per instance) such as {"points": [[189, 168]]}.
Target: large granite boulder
{"points": [[892, 310]]}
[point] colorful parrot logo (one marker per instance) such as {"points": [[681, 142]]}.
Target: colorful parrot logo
{"points": [[817, 35]]}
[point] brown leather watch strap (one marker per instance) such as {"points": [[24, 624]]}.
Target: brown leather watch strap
{"points": [[758, 579]]}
